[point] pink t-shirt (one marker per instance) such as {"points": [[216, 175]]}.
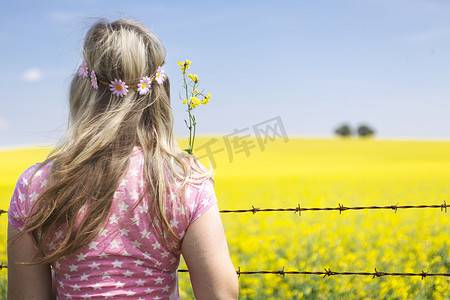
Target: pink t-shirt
{"points": [[127, 260]]}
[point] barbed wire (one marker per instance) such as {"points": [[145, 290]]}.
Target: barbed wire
{"points": [[339, 208], [325, 273], [328, 272]]}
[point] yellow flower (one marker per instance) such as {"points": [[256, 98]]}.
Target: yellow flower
{"points": [[195, 92], [193, 77], [185, 101], [180, 63], [208, 96]]}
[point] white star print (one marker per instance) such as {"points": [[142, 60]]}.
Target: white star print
{"points": [[86, 296], [138, 262], [123, 206], [135, 219], [205, 202], [173, 197], [193, 206], [123, 182], [136, 244], [124, 231], [52, 246], [81, 257], [93, 245], [76, 287], [128, 273], [181, 210], [174, 223], [106, 275], [117, 264], [59, 233], [97, 286], [157, 298], [73, 268], [156, 245], [159, 280], [166, 288], [21, 197], [158, 263], [130, 293], [33, 196], [140, 282], [113, 219], [24, 182], [84, 277], [144, 233], [188, 192], [125, 253], [134, 195], [164, 254], [57, 265], [103, 255], [104, 231], [148, 272], [148, 291], [44, 183], [119, 285], [108, 295], [115, 244], [69, 296], [134, 172], [143, 208], [67, 276], [94, 265], [141, 183], [173, 260]]}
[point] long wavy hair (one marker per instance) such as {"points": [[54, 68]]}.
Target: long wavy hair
{"points": [[93, 156]]}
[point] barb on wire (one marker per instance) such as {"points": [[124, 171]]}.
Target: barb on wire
{"points": [[2, 266], [328, 272], [340, 208]]}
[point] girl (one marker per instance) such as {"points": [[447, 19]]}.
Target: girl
{"points": [[117, 202]]}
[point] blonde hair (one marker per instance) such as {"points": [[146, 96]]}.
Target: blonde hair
{"points": [[90, 161]]}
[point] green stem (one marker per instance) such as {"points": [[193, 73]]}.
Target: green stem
{"points": [[193, 137], [190, 117]]}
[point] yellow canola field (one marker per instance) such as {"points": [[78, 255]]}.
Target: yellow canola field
{"points": [[321, 173]]}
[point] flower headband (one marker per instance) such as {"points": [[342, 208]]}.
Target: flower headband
{"points": [[118, 87]]}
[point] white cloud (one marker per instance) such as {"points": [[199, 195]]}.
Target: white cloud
{"points": [[32, 75], [4, 124]]}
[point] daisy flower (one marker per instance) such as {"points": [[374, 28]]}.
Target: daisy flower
{"points": [[83, 70], [94, 82], [143, 86], [119, 88], [159, 75]]}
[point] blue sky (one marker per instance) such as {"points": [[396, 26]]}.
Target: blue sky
{"points": [[316, 64]]}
